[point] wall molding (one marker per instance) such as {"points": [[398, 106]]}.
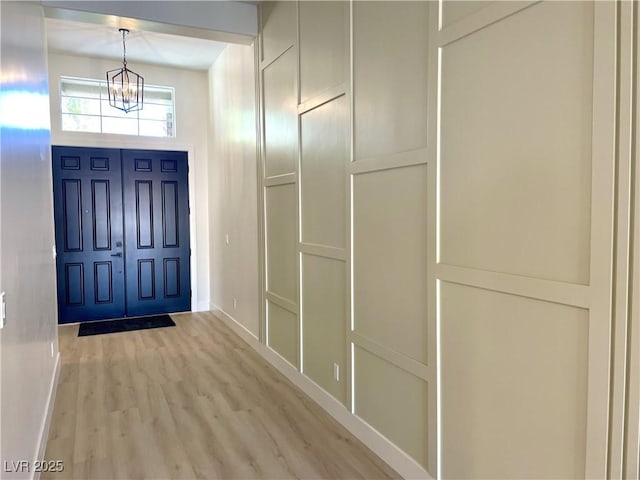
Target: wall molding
{"points": [[322, 98], [409, 158], [324, 251], [282, 302], [267, 62], [374, 440], [485, 17], [399, 360], [285, 179], [572, 294], [48, 415]]}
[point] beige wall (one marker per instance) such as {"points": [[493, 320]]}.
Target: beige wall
{"points": [[191, 101], [29, 340], [345, 188], [233, 203], [440, 224]]}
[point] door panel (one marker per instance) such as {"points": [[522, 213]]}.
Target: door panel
{"points": [[89, 235], [156, 213]]}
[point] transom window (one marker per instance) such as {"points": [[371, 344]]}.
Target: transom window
{"points": [[85, 107]]}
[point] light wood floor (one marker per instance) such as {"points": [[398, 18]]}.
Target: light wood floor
{"points": [[191, 401]]}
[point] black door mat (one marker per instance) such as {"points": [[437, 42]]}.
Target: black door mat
{"points": [[125, 325]]}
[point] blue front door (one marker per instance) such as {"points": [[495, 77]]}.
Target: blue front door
{"points": [[156, 219], [89, 235], [122, 233]]}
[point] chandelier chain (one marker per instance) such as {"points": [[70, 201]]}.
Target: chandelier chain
{"points": [[124, 46]]}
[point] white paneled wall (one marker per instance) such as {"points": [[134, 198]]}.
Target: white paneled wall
{"points": [[279, 79], [442, 184], [525, 152], [346, 214]]}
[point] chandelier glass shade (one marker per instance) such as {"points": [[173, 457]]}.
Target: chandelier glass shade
{"points": [[125, 87]]}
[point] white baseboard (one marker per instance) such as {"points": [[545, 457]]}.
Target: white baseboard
{"points": [[48, 415], [242, 331], [378, 443]]}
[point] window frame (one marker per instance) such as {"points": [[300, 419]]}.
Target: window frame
{"points": [[101, 87]]}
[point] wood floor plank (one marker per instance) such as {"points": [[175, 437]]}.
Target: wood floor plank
{"points": [[190, 401]]}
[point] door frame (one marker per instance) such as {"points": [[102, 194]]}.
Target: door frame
{"points": [[159, 144]]}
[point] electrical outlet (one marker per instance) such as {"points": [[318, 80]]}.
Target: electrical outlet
{"points": [[235, 303], [3, 309], [336, 372], [226, 238]]}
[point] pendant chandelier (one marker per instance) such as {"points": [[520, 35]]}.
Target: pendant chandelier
{"points": [[126, 87]]}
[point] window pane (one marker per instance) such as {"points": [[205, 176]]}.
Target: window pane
{"points": [[80, 123], [84, 106], [124, 126], [163, 96], [80, 88], [153, 128], [109, 111], [155, 112]]}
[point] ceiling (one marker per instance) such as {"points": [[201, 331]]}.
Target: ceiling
{"points": [[102, 41]]}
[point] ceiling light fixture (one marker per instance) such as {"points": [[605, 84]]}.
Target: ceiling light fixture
{"points": [[126, 87]]}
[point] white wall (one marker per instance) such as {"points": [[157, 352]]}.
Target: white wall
{"points": [[191, 100], [232, 187], [28, 342]]}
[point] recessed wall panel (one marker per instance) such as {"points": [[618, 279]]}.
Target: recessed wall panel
{"points": [[516, 135], [283, 332], [392, 401], [280, 116], [323, 34], [279, 23], [390, 77], [281, 213], [324, 322], [322, 165], [514, 386], [390, 258]]}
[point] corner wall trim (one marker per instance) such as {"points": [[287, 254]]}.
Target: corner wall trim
{"points": [[201, 306], [48, 415], [380, 445]]}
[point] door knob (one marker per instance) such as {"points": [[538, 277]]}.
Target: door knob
{"points": [[119, 254]]}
